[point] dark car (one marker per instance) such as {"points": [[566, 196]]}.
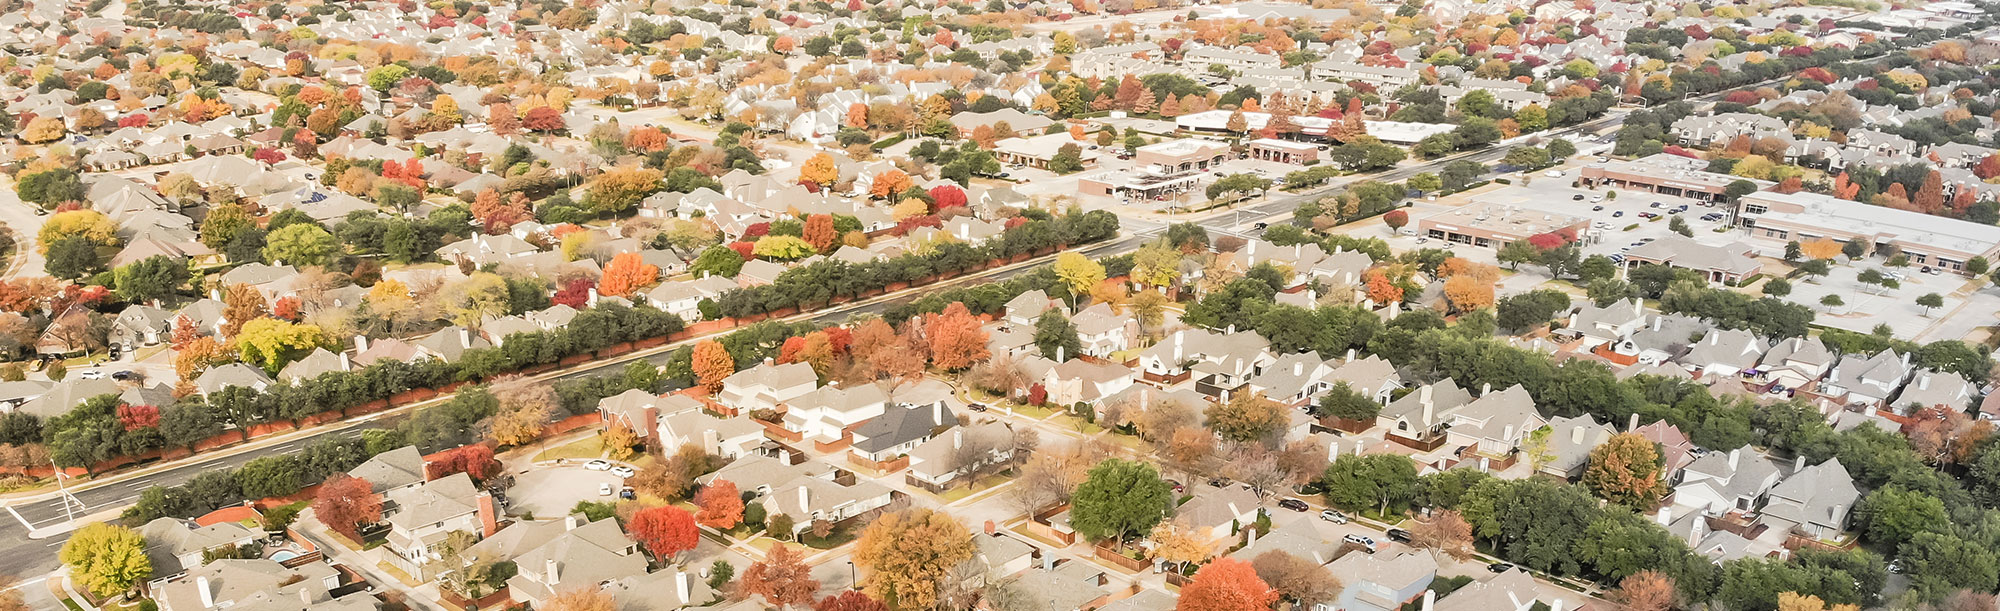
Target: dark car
{"points": [[1293, 504], [1499, 567], [977, 407], [1399, 535], [1577, 197], [1177, 486]]}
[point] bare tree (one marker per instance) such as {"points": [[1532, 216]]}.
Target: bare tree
{"points": [[1257, 468], [1302, 461], [1301, 580], [1159, 421]]}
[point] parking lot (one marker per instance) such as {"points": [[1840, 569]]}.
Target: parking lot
{"points": [[1864, 306]]}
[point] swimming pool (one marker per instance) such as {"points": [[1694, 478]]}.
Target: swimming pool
{"points": [[283, 555]]}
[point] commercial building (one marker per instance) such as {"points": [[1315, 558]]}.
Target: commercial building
{"points": [[1729, 263], [1671, 175], [1179, 156], [1934, 241], [1036, 151], [1494, 225], [1283, 151], [1135, 184]]}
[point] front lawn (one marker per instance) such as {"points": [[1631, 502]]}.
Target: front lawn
{"points": [[581, 449]]}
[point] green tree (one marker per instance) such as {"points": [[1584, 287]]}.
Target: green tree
{"points": [[107, 559], [1119, 498], [1894, 515], [1626, 469], [73, 257], [1068, 159], [1056, 337], [1930, 301], [718, 260], [1343, 402], [1377, 481], [1777, 287], [151, 278], [1939, 564], [301, 245], [1559, 148], [1426, 182]]}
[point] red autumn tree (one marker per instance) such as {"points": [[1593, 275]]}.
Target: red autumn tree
{"points": [[475, 460], [135, 417], [287, 308], [1930, 196], [782, 579], [1396, 219], [819, 232], [712, 363], [497, 216], [1226, 584], [946, 196], [646, 138], [1988, 167], [664, 531], [956, 339], [576, 293], [721, 505], [543, 119], [626, 273], [857, 115], [850, 600], [344, 503]]}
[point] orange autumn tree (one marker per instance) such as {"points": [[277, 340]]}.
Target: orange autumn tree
{"points": [[711, 363], [626, 273], [819, 232], [1382, 289], [820, 170], [1227, 584], [956, 339], [890, 182], [721, 505], [1467, 293], [1820, 248]]}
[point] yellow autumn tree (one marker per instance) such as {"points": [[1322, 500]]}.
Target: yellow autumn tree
{"points": [[820, 170], [1820, 248]]}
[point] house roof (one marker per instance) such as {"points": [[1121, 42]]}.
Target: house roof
{"points": [[1819, 494], [392, 469], [1212, 506], [434, 501], [901, 424]]}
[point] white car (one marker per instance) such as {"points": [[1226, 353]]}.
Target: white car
{"points": [[598, 465], [90, 374], [1553, 174], [604, 490], [622, 471]]}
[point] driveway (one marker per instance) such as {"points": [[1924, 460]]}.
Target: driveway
{"points": [[553, 491]]}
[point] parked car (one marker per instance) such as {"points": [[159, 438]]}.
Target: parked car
{"points": [[1500, 567], [1399, 535], [1262, 226], [623, 471], [1598, 208], [125, 375], [977, 407], [1597, 198], [1177, 486], [627, 494], [1647, 215], [1656, 205], [1578, 197], [598, 465], [1333, 516], [90, 374], [604, 489], [1294, 504], [1367, 544], [1553, 174], [1617, 213]]}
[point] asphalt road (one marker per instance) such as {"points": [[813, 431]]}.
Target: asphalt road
{"points": [[22, 556]]}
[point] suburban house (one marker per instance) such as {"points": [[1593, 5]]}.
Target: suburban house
{"points": [[899, 430], [825, 415], [586, 555], [937, 465], [1381, 582], [259, 584], [1494, 425], [766, 385], [1725, 352], [1569, 442], [1418, 418], [174, 545], [636, 410], [1514, 590], [1865, 381], [1219, 513], [1192, 352], [806, 492], [1676, 450], [1814, 501], [684, 420], [1724, 482], [1928, 389], [419, 517], [396, 469], [1794, 363]]}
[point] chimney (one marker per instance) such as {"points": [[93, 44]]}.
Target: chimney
{"points": [[1060, 356], [1430, 598], [1232, 329], [1733, 456], [489, 518], [1576, 435], [1507, 432], [1799, 463], [992, 529], [346, 363], [360, 344], [1633, 423], [1714, 338], [1834, 513], [1424, 398], [207, 595], [215, 294], [1333, 450], [1177, 348], [1485, 388], [1924, 382], [711, 441], [937, 413], [1298, 367], [682, 583], [306, 597], [592, 299], [1638, 307], [805, 499], [569, 522], [465, 337], [1557, 605], [1349, 357], [957, 437], [551, 575], [1666, 515], [1656, 322]]}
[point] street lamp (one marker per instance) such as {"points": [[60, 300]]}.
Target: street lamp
{"points": [[853, 580]]}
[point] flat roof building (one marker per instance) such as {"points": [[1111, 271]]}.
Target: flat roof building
{"points": [[1494, 225], [1036, 151], [1179, 156], [1671, 175], [1935, 241], [1729, 263], [1283, 151]]}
